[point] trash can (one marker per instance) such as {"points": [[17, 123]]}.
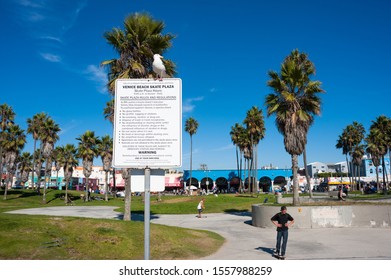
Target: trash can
{"points": [[278, 197]]}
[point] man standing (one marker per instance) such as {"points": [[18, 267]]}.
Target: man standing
{"points": [[282, 221]]}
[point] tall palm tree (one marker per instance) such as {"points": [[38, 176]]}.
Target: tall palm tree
{"points": [[240, 138], [25, 166], [108, 113], [34, 126], [57, 163], [87, 151], [49, 136], [67, 158], [105, 148], [13, 141], [351, 137], [237, 132], [7, 116], [376, 150], [256, 129], [382, 127], [294, 102], [357, 155], [191, 126], [136, 44]]}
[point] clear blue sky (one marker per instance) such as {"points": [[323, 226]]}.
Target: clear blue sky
{"points": [[51, 51]]}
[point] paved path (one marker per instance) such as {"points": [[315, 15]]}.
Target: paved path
{"points": [[245, 242]]}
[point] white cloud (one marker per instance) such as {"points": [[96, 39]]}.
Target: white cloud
{"points": [[98, 75], [51, 57], [188, 105]]}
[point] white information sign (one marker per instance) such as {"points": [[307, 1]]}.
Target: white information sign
{"points": [[157, 180], [148, 123]]}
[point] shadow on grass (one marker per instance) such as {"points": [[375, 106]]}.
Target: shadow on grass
{"points": [[20, 193]]}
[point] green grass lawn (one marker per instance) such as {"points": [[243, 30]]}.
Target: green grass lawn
{"points": [[50, 238], [54, 238]]}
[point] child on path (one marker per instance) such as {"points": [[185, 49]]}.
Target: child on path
{"points": [[200, 207]]}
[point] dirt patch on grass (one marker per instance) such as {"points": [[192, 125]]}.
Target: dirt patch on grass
{"points": [[179, 199]]}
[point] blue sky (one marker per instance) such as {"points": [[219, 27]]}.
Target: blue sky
{"points": [[51, 51]]}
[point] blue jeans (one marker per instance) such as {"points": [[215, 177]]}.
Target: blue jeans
{"points": [[284, 236]]}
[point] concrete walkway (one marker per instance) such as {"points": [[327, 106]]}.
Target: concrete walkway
{"points": [[245, 242]]}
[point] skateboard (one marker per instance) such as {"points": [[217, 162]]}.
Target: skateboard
{"points": [[278, 256]]}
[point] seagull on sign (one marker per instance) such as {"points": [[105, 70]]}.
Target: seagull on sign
{"points": [[158, 66]]}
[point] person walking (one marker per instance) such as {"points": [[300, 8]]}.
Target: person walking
{"points": [[200, 207], [282, 221]]}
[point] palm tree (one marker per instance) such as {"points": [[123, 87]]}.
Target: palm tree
{"points": [[67, 158], [191, 126], [87, 151], [49, 136], [7, 116], [136, 44], [13, 141], [295, 102], [25, 166], [381, 127], [348, 141], [105, 148], [357, 155], [237, 133], [256, 130], [376, 150], [57, 162], [108, 111], [34, 126]]}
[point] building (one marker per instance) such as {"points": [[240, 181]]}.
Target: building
{"points": [[228, 179], [317, 167], [367, 169]]}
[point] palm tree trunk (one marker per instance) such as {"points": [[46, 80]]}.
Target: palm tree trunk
{"points": [[377, 179], [6, 181], [57, 184], [106, 185], [191, 161], [307, 176], [237, 160], [66, 190], [128, 198], [384, 176], [349, 171], [240, 173], [114, 184], [44, 186], [87, 190], [1, 163], [256, 168], [32, 173], [295, 167]]}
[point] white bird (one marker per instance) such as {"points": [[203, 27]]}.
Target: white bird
{"points": [[158, 66]]}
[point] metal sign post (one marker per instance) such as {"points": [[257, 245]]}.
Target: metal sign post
{"points": [[147, 212]]}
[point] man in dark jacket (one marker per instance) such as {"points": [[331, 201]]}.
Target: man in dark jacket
{"points": [[282, 221]]}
